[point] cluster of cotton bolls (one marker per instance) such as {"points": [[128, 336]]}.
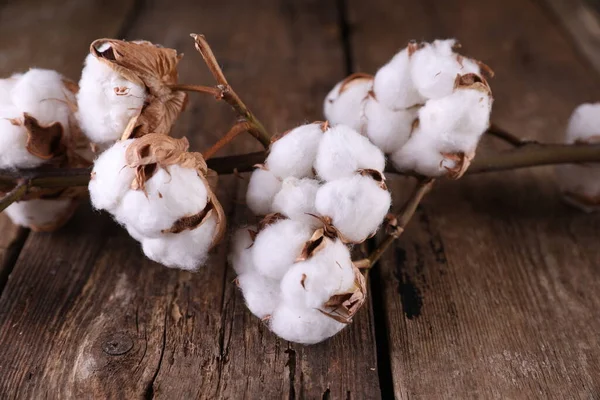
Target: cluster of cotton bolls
{"points": [[580, 183], [320, 188], [426, 108], [37, 127], [161, 194]]}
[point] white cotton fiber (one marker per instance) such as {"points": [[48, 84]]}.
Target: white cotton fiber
{"points": [[277, 246], [343, 151], [435, 66], [393, 86], [313, 282], [240, 255], [6, 86], [39, 214], [296, 200], [262, 188], [106, 101], [357, 206], [584, 123], [456, 121], [347, 107], [294, 153], [421, 154], [185, 250], [260, 293], [111, 177], [170, 194], [42, 94], [301, 325], [13, 141], [385, 128]]}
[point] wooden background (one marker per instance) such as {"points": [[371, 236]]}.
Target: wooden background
{"points": [[493, 291]]}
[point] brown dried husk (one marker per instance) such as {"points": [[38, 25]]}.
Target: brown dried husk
{"points": [[461, 163], [343, 306], [154, 67], [353, 79]]}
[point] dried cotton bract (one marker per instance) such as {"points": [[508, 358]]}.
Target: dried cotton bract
{"points": [[313, 291], [427, 108], [38, 127], [125, 90], [580, 183], [161, 194]]}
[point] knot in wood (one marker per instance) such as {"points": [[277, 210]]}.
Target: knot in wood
{"points": [[117, 344]]}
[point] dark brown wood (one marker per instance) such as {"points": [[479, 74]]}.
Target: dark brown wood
{"points": [[86, 315], [492, 290], [11, 241]]}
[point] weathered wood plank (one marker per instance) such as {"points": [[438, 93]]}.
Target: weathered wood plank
{"points": [[121, 326], [11, 241], [491, 292]]}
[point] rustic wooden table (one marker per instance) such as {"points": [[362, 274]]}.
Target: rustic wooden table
{"points": [[493, 292]]}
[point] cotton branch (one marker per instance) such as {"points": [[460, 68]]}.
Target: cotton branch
{"points": [[14, 195], [223, 91], [398, 223]]}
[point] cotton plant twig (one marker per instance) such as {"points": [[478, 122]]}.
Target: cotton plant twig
{"points": [[529, 155], [223, 91], [507, 137], [234, 132], [396, 224], [14, 195]]}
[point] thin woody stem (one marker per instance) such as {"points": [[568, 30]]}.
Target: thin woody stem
{"points": [[226, 91], [198, 88], [508, 137], [14, 195], [234, 132], [396, 227]]}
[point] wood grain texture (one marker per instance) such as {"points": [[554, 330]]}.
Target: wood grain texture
{"points": [[116, 325], [11, 241], [491, 291]]}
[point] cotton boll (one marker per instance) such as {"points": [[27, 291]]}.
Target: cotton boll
{"points": [[111, 177], [171, 193], [262, 188], [260, 293], [356, 205], [294, 153], [313, 282], [456, 121], [41, 214], [185, 250], [345, 103], [435, 66], [42, 94], [13, 141], [106, 101], [421, 154], [393, 86], [343, 151], [296, 200], [385, 128], [278, 245], [240, 256], [301, 325], [584, 123]]}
